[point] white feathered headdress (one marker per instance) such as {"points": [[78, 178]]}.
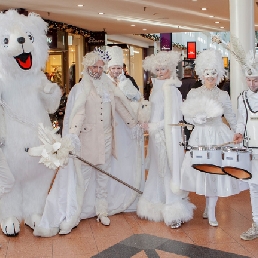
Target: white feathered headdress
{"points": [[168, 59], [209, 59], [248, 61]]}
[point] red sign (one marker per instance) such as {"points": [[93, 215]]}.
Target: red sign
{"points": [[191, 50]]}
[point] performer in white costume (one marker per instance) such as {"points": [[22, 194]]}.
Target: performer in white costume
{"points": [[162, 200], [79, 192], [127, 165], [203, 108], [247, 123]]}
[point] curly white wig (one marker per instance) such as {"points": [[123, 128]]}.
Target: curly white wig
{"points": [[97, 54], [168, 59], [210, 59]]}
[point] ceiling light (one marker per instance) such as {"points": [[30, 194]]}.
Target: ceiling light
{"points": [[80, 5], [194, 0], [222, 27], [216, 21], [101, 13], [211, 16], [256, 25], [204, 8], [133, 25], [144, 29]]}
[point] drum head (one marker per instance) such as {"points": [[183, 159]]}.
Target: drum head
{"points": [[209, 168], [237, 173]]}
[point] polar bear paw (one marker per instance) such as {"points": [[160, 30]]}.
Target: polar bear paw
{"points": [[33, 220], [10, 226]]}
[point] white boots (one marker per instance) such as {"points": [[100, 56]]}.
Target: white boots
{"points": [[209, 212], [103, 218]]}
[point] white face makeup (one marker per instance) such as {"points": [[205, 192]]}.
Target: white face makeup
{"points": [[115, 71], [210, 73], [210, 78], [162, 73], [95, 71], [252, 83]]}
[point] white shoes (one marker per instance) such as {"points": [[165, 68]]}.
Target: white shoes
{"points": [[176, 224], [251, 233], [213, 223], [104, 219], [205, 214]]}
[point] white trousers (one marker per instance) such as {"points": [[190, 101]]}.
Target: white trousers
{"points": [[101, 179]]}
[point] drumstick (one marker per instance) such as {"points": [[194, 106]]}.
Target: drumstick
{"points": [[180, 124], [226, 143]]}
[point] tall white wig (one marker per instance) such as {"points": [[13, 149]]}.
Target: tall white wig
{"points": [[207, 60], [167, 59]]}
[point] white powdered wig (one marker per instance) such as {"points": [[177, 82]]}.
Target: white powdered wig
{"points": [[167, 59], [210, 59], [23, 43], [97, 54]]}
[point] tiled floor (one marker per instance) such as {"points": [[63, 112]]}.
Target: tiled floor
{"points": [[129, 236]]}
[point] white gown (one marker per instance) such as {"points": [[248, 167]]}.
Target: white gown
{"points": [[213, 132], [159, 202]]}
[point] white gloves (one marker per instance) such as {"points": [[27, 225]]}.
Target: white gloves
{"points": [[129, 90], [200, 119], [75, 141], [121, 77]]}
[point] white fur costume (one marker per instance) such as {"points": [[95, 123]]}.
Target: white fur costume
{"points": [[162, 200], [26, 97]]}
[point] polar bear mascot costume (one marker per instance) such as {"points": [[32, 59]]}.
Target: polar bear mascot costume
{"points": [[27, 98]]}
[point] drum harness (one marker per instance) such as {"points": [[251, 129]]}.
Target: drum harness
{"points": [[248, 109]]}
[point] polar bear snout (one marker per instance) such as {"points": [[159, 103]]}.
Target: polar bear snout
{"points": [[21, 40]]}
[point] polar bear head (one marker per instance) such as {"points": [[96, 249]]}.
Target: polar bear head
{"points": [[23, 44]]}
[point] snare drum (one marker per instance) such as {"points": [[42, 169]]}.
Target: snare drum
{"points": [[207, 159], [237, 162]]}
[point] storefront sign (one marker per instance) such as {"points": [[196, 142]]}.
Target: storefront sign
{"points": [[97, 38], [191, 50], [165, 41]]}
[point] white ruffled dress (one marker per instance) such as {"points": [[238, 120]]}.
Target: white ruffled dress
{"points": [[213, 132]]}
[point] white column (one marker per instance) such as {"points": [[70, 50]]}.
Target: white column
{"points": [[242, 26]]}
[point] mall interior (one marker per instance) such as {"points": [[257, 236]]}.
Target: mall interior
{"points": [[142, 28]]}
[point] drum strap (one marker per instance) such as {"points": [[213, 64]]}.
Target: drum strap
{"points": [[246, 108]]}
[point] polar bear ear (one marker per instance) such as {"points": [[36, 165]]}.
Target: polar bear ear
{"points": [[38, 21]]}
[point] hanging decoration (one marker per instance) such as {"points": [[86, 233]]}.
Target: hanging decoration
{"points": [[53, 25], [155, 37]]}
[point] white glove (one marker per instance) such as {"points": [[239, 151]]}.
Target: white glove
{"points": [[121, 77], [200, 119], [129, 90], [75, 141]]}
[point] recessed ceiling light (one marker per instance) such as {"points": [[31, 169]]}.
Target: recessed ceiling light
{"points": [[204, 8], [216, 21], [80, 5], [194, 0], [101, 13], [256, 25], [211, 16], [222, 27], [133, 25], [144, 29]]}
